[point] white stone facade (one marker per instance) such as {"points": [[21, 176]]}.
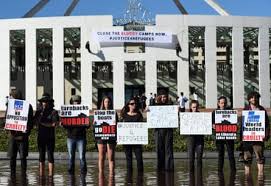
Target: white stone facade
{"points": [[177, 24]]}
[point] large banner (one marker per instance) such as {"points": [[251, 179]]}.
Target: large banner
{"points": [[226, 124], [132, 36], [74, 115], [253, 125], [17, 115], [105, 124], [162, 117], [195, 123], [132, 133]]}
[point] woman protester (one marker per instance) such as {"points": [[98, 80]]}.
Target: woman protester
{"points": [[131, 113], [76, 139], [106, 145], [220, 144], [46, 119], [195, 145]]}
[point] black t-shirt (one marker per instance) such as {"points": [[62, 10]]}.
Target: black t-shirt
{"points": [[136, 118], [77, 132], [46, 116]]}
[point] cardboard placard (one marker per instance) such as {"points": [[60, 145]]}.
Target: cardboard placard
{"points": [[105, 124], [17, 115], [226, 124], [74, 115], [253, 125], [132, 133], [195, 123], [163, 117]]}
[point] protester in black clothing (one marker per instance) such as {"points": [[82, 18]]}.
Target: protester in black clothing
{"points": [[220, 144], [18, 141], [46, 119], [76, 140], [195, 145], [256, 147], [131, 113], [164, 141]]}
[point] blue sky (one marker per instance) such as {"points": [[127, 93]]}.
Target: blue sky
{"points": [[17, 8]]}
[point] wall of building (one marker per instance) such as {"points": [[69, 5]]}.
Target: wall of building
{"points": [[177, 24]]}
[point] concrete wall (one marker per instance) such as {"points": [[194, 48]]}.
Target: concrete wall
{"points": [[177, 24]]}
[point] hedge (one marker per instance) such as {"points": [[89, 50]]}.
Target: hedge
{"points": [[179, 142]]}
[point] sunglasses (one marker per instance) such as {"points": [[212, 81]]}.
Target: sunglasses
{"points": [[131, 103]]}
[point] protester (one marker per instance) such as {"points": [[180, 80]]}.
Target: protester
{"points": [[195, 144], [77, 140], [182, 100], [131, 113], [164, 141], [107, 145], [18, 141], [255, 146], [46, 119], [220, 144]]}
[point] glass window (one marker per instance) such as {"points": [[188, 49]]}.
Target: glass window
{"points": [[17, 61]]}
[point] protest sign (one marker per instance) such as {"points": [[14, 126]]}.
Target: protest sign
{"points": [[226, 124], [110, 36], [132, 133], [105, 124], [195, 123], [17, 115], [74, 115], [253, 125], [162, 117]]}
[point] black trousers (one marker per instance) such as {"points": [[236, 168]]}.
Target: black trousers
{"points": [[16, 146], [46, 145], [164, 149], [195, 145], [220, 145], [129, 157]]}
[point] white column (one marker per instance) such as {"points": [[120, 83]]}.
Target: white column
{"points": [[183, 64], [150, 77], [4, 66], [238, 67], [58, 66], [210, 67], [31, 66], [118, 84], [86, 69], [264, 80]]}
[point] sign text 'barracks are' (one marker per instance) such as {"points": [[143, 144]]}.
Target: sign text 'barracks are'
{"points": [[74, 115], [226, 124]]}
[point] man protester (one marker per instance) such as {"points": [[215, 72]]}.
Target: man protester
{"points": [[76, 139], [255, 146], [18, 141], [182, 100]]}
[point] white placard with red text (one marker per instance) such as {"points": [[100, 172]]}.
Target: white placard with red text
{"points": [[253, 125], [17, 115]]}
